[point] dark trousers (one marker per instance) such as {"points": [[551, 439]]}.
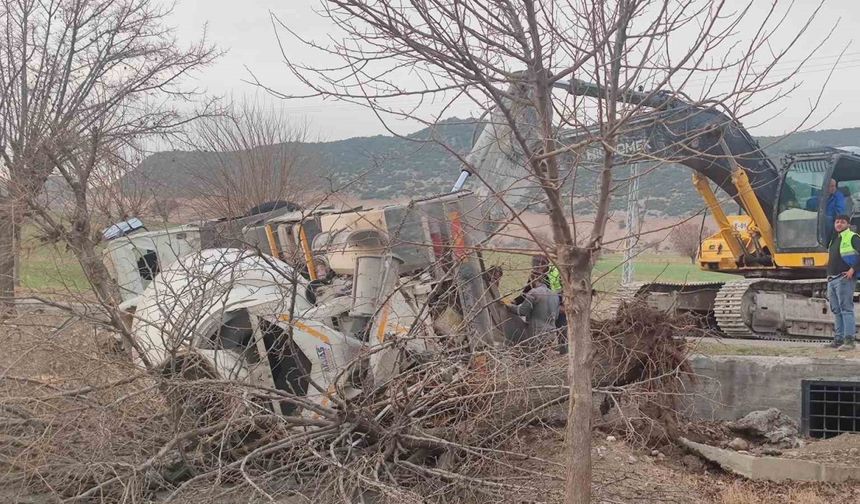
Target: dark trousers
{"points": [[561, 326]]}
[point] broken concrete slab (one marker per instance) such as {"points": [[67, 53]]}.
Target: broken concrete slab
{"points": [[773, 468]]}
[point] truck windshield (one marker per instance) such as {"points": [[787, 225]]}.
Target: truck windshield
{"points": [[797, 215]]}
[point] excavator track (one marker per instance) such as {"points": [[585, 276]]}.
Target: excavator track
{"points": [[625, 294], [734, 305], [729, 309], [803, 318]]}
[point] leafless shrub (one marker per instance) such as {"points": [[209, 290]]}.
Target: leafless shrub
{"points": [[164, 208], [686, 238], [252, 154], [441, 429]]}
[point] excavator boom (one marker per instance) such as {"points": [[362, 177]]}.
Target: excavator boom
{"points": [[705, 139]]}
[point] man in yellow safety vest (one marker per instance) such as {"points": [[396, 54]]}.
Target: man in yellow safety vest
{"points": [[554, 278], [844, 256]]}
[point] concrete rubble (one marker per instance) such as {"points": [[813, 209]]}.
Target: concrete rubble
{"points": [[773, 468], [770, 425]]}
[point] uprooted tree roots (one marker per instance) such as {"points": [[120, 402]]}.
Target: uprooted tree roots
{"points": [[640, 372], [436, 431]]}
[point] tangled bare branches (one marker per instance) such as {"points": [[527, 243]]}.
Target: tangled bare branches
{"points": [[440, 431]]}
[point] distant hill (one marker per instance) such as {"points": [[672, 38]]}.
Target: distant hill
{"points": [[377, 167], [388, 167]]}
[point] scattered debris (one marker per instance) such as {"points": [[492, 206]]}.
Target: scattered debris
{"points": [[771, 424], [842, 449], [739, 444], [693, 463]]}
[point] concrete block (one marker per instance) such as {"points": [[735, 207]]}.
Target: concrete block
{"points": [[773, 468], [731, 386]]}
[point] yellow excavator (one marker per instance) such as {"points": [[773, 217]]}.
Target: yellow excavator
{"points": [[778, 243]]}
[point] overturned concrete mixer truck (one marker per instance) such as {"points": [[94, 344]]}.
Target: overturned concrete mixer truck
{"points": [[310, 293], [293, 298]]}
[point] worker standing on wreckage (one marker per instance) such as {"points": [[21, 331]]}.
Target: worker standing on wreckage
{"points": [[554, 278], [841, 280], [539, 305]]}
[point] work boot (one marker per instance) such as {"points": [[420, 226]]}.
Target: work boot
{"points": [[833, 344], [846, 347]]}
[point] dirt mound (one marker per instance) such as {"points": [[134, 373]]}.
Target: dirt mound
{"points": [[842, 449]]}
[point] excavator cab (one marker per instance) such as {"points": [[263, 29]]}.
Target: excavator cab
{"points": [[845, 170], [804, 216]]}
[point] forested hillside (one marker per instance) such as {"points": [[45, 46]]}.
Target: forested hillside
{"points": [[385, 167]]}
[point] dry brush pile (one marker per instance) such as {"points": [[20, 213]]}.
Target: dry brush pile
{"points": [[96, 429]]}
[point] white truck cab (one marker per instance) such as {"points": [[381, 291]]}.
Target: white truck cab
{"points": [[134, 259]]}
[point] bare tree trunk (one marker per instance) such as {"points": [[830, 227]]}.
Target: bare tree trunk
{"points": [[97, 274], [106, 290], [7, 259], [16, 250], [577, 306], [86, 250]]}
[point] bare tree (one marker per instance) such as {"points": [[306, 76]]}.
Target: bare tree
{"points": [[506, 57], [252, 154], [7, 255], [686, 238], [85, 85]]}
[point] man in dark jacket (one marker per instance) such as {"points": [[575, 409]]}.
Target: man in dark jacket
{"points": [[841, 280], [545, 273], [538, 304]]}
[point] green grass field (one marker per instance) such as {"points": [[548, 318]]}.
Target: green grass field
{"points": [[49, 270], [607, 273], [47, 267]]}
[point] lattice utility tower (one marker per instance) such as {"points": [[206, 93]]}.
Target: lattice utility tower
{"points": [[632, 242]]}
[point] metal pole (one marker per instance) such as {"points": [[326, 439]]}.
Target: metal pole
{"points": [[630, 244]]}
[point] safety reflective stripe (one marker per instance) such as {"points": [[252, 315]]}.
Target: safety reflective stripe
{"points": [[554, 279], [846, 247]]}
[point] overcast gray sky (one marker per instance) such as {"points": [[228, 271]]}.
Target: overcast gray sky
{"points": [[244, 29]]}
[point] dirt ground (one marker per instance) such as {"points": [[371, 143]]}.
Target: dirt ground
{"points": [[47, 354], [624, 474], [842, 449], [723, 346]]}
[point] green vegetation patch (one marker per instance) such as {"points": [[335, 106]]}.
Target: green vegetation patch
{"points": [[607, 272]]}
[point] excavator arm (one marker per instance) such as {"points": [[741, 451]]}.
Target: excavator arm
{"points": [[718, 149], [707, 140]]}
